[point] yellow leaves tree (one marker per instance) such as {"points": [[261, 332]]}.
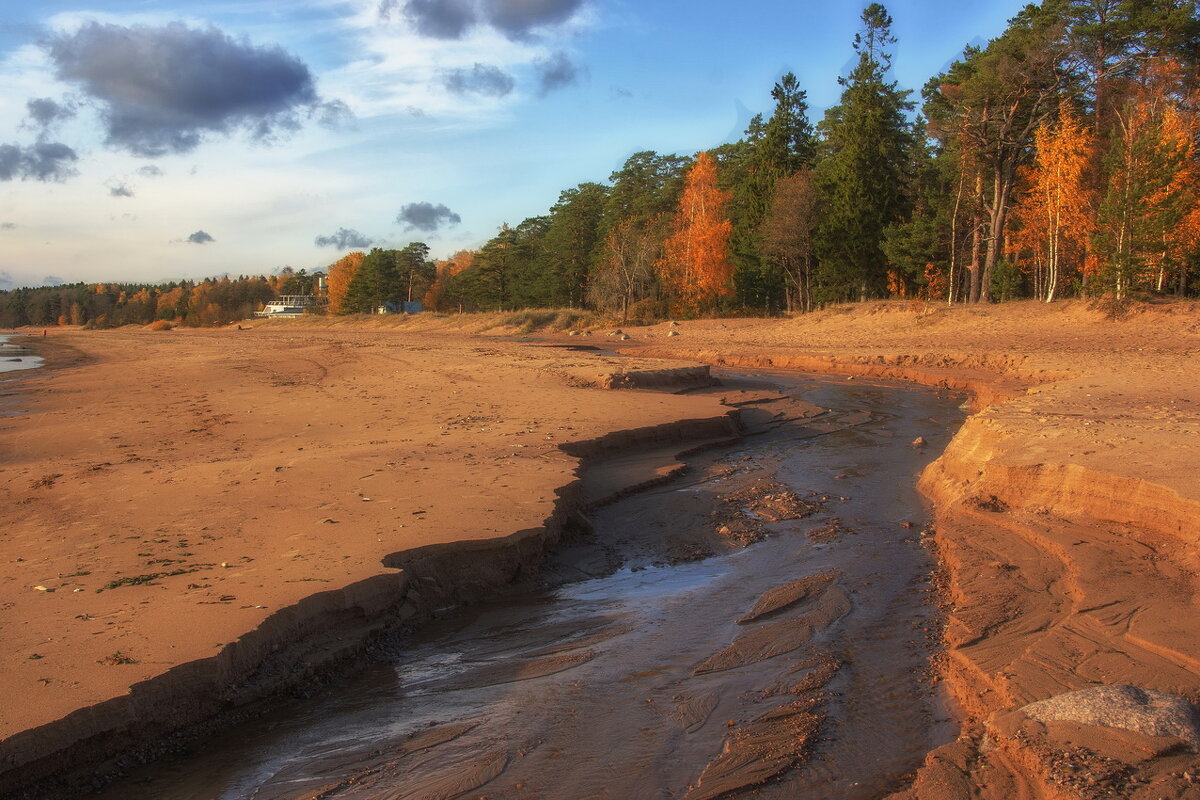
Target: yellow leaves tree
{"points": [[341, 272], [1055, 215], [695, 269]]}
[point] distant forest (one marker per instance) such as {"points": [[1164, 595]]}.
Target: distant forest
{"points": [[1062, 159]]}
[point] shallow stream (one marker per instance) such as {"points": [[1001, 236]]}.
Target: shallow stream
{"points": [[634, 683]]}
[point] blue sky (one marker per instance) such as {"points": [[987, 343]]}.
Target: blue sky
{"points": [[188, 139]]}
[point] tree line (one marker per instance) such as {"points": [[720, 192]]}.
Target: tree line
{"points": [[213, 301], [1061, 159]]}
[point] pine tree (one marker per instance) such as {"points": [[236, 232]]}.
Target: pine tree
{"points": [[774, 149], [864, 176], [571, 239], [377, 281]]}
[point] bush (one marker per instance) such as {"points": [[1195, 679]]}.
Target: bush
{"points": [[548, 320], [648, 312], [160, 325]]}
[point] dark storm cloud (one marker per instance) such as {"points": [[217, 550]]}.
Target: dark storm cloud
{"points": [[555, 72], [150, 171], [452, 19], [200, 237], [42, 161], [517, 19], [163, 89], [6, 281], [426, 217], [120, 190], [480, 79], [8, 226], [440, 19], [53, 280], [45, 112], [343, 239]]}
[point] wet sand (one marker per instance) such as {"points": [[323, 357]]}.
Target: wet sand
{"points": [[1065, 507]]}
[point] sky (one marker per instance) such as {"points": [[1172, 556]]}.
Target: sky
{"points": [[154, 141]]}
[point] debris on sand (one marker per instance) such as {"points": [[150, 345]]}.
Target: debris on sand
{"points": [[742, 515]]}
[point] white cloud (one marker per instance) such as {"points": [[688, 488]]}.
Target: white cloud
{"points": [[397, 69]]}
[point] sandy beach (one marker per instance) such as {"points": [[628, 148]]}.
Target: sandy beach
{"points": [[201, 508]]}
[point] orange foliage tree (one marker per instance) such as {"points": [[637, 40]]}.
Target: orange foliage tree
{"points": [[444, 271], [695, 269], [1055, 215], [341, 272]]}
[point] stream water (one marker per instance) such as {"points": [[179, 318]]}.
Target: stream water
{"points": [[14, 357], [632, 684]]}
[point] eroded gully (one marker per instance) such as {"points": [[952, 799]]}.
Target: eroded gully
{"points": [[797, 666]]}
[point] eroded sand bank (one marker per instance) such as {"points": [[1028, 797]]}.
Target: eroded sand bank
{"points": [[204, 516]]}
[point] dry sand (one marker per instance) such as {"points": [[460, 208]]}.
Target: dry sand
{"points": [[267, 465]]}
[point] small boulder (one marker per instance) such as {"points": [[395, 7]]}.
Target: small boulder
{"points": [[1145, 711]]}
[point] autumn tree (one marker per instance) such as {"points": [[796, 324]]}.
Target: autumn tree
{"points": [[1145, 229], [788, 236], [436, 296], [624, 271], [1055, 214], [341, 273], [989, 104], [695, 268]]}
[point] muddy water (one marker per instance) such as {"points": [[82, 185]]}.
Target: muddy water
{"points": [[642, 683]]}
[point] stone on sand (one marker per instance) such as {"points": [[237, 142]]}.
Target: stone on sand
{"points": [[1145, 711]]}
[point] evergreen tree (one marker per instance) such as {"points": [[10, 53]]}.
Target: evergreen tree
{"points": [[864, 178], [571, 239], [376, 282], [414, 271], [781, 146]]}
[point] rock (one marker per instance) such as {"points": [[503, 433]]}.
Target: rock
{"points": [[1145, 711]]}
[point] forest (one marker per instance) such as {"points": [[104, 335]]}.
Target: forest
{"points": [[1060, 160]]}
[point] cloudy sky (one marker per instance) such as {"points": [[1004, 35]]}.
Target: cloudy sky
{"points": [[147, 141]]}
